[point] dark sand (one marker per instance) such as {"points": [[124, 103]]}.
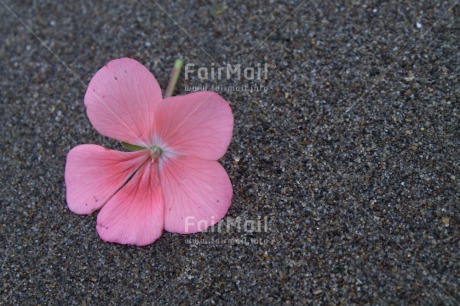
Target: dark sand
{"points": [[352, 153]]}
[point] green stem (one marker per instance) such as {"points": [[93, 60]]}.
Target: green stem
{"points": [[132, 147], [174, 76]]}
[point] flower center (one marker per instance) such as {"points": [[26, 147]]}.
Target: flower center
{"points": [[155, 152]]}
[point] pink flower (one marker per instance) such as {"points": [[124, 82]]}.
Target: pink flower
{"points": [[174, 181]]}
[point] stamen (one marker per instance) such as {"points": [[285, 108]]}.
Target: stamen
{"points": [[155, 153]]}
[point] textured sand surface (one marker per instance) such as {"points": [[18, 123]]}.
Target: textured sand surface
{"points": [[351, 153]]}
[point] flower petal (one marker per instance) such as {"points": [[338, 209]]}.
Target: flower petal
{"points": [[197, 193], [93, 174], [198, 124], [120, 101], [135, 214]]}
